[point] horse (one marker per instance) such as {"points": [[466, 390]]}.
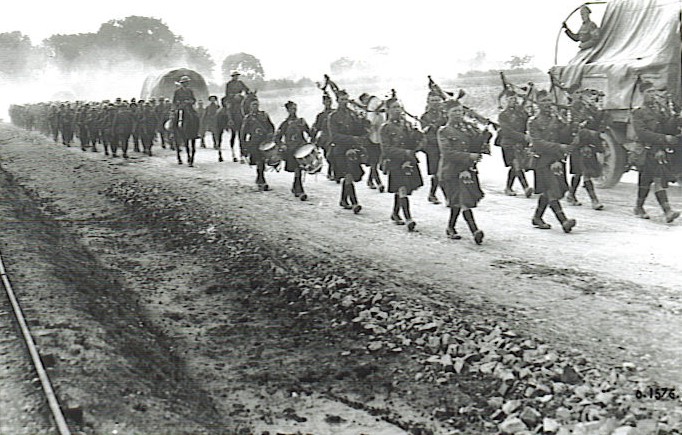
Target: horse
{"points": [[236, 116], [185, 127]]}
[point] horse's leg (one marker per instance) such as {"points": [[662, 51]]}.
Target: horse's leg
{"points": [[217, 144], [177, 148], [233, 135], [191, 150]]}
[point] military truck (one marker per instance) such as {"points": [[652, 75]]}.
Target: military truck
{"points": [[639, 40]]}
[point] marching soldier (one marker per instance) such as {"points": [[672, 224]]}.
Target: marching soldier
{"points": [[256, 129], [292, 133], [583, 158], [657, 128], [375, 119], [548, 138], [348, 134], [459, 143], [399, 143], [209, 121], [67, 120], [513, 140], [433, 119], [321, 126]]}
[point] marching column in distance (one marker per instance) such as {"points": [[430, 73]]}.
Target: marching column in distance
{"points": [[399, 143], [656, 126], [547, 132], [457, 172], [348, 134], [433, 119], [513, 140], [292, 134], [256, 129], [583, 159], [323, 141]]}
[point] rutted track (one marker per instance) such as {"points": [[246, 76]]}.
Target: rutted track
{"points": [[35, 357]]}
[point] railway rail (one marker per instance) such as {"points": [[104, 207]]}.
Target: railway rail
{"points": [[48, 391]]}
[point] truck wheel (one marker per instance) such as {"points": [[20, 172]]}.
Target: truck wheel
{"points": [[613, 162]]}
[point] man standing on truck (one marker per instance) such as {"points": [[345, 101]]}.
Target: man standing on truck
{"points": [[588, 34], [657, 128]]}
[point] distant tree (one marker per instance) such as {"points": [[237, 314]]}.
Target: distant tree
{"points": [[519, 61], [67, 49], [147, 39], [200, 59], [247, 64], [15, 50]]}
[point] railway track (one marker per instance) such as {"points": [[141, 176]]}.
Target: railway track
{"points": [[11, 312]]}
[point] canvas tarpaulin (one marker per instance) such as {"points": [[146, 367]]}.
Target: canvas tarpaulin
{"points": [[637, 38], [163, 85]]}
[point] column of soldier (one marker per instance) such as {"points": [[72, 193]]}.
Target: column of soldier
{"points": [[534, 132]]}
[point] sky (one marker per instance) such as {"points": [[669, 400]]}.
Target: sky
{"points": [[296, 38]]}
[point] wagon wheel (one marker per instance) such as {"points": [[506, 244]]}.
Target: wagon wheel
{"points": [[613, 161]]}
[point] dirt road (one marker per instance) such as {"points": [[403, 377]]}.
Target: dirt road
{"points": [[608, 292]]}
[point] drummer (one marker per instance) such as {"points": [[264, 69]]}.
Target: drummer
{"points": [[257, 129], [293, 133]]}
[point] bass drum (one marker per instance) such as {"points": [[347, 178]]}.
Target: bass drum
{"points": [[309, 158], [271, 153]]}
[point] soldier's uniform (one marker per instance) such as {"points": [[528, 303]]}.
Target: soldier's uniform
{"points": [[583, 158], [432, 120], [348, 136], [652, 125], [256, 129], [321, 126], [548, 134], [123, 124], [235, 87], [209, 121], [458, 175], [292, 134], [512, 139], [399, 143]]}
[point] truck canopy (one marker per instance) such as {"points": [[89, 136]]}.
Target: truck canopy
{"points": [[637, 38], [163, 84]]}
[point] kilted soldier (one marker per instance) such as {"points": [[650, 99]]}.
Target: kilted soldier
{"points": [[209, 121], [513, 140], [256, 129], [399, 143], [348, 135], [375, 110], [657, 128], [432, 120], [583, 159], [549, 136], [321, 126], [292, 133], [460, 144]]}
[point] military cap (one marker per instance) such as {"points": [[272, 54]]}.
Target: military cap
{"points": [[235, 73], [289, 104], [212, 98], [184, 79]]}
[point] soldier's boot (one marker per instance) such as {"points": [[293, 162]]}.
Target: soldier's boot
{"points": [[566, 224], [405, 205], [670, 214], [589, 186], [639, 211], [570, 198], [469, 218], [539, 211], [395, 216], [353, 198], [508, 190], [344, 197], [450, 231], [433, 199], [374, 174], [527, 190], [370, 183]]}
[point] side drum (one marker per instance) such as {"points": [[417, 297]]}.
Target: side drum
{"points": [[309, 158], [271, 154]]}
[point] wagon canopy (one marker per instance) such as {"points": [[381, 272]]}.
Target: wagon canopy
{"points": [[163, 85], [637, 37]]}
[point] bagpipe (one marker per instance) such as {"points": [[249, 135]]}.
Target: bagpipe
{"points": [[471, 113], [526, 92]]}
